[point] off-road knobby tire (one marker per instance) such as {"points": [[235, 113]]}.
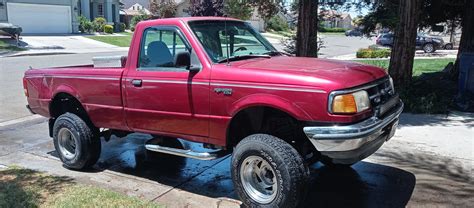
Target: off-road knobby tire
{"points": [[89, 145], [285, 160]]}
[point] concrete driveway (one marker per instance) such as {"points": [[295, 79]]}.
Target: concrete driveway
{"points": [[428, 163]]}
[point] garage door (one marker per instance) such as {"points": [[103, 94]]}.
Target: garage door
{"points": [[38, 18]]}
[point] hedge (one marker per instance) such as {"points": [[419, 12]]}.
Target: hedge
{"points": [[373, 53], [332, 30]]}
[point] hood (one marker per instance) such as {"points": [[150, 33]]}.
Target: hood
{"points": [[342, 73]]}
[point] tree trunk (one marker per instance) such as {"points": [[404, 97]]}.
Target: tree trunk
{"points": [[307, 31], [403, 51], [466, 45]]}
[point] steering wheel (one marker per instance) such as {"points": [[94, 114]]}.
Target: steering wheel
{"points": [[241, 48]]}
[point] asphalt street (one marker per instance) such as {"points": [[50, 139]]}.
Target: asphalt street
{"points": [[339, 45], [12, 69]]}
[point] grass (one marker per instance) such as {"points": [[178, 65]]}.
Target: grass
{"points": [[4, 46], [122, 41], [28, 188], [419, 66]]}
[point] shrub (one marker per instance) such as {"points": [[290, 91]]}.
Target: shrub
{"points": [[373, 53], [109, 29], [138, 18], [332, 30], [99, 24], [429, 93], [122, 27], [277, 23], [289, 44], [85, 26]]}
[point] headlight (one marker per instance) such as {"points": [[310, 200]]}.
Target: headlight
{"points": [[351, 103]]}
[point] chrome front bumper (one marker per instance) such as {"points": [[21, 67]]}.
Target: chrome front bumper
{"points": [[352, 143]]}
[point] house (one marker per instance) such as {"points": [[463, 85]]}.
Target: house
{"points": [[132, 8], [56, 16], [335, 19]]}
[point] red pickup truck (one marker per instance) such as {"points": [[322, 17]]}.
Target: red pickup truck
{"points": [[218, 82]]}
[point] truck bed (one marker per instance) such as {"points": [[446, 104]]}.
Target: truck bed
{"points": [[97, 89]]}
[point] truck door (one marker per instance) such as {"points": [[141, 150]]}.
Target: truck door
{"points": [[161, 94]]}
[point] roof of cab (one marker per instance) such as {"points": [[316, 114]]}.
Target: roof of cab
{"points": [[184, 19]]}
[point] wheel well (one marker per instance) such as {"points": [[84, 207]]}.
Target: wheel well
{"points": [[268, 120], [63, 103]]}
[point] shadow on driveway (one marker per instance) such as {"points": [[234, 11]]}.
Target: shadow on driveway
{"points": [[364, 185]]}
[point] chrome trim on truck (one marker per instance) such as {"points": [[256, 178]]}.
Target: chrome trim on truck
{"points": [[351, 143]]}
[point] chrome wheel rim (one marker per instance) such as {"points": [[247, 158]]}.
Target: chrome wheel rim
{"points": [[67, 143], [258, 179], [429, 48]]}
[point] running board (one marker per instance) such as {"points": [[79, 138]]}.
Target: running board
{"points": [[186, 153]]}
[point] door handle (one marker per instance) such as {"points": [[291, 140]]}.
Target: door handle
{"points": [[137, 82]]}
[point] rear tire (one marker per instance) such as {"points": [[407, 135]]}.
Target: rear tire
{"points": [[429, 48], [268, 172], [448, 46], [76, 144]]}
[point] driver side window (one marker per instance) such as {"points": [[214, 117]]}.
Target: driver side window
{"points": [[163, 50]]}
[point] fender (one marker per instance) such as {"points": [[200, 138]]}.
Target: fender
{"points": [[269, 100], [66, 89]]}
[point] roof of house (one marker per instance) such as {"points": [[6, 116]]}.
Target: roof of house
{"points": [[328, 14], [129, 3]]}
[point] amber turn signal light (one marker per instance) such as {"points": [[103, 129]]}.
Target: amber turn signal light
{"points": [[344, 104], [351, 103]]}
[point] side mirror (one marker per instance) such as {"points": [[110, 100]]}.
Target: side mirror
{"points": [[183, 59]]}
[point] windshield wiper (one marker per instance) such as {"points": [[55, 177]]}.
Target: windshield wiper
{"points": [[276, 53], [242, 57]]}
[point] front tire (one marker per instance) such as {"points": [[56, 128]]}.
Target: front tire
{"points": [[77, 146], [268, 172]]}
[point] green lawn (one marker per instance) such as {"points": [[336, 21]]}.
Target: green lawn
{"points": [[420, 65], [4, 46], [28, 188], [121, 41]]}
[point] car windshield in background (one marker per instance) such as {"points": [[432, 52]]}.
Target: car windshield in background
{"points": [[238, 37]]}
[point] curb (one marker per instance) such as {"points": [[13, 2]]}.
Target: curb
{"points": [[36, 54]]}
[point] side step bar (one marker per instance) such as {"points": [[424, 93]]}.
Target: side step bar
{"points": [[186, 152]]}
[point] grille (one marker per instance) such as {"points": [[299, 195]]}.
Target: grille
{"points": [[382, 96]]}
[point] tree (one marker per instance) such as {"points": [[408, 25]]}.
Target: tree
{"points": [[466, 44], [238, 9], [403, 51], [163, 8], [307, 29], [267, 8], [206, 8]]}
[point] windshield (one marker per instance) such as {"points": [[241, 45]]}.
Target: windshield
{"points": [[240, 39]]}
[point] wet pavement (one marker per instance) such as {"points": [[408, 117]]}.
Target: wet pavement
{"points": [[406, 172]]}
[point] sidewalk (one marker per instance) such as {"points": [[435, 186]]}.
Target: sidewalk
{"points": [[429, 162], [61, 44], [418, 55]]}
